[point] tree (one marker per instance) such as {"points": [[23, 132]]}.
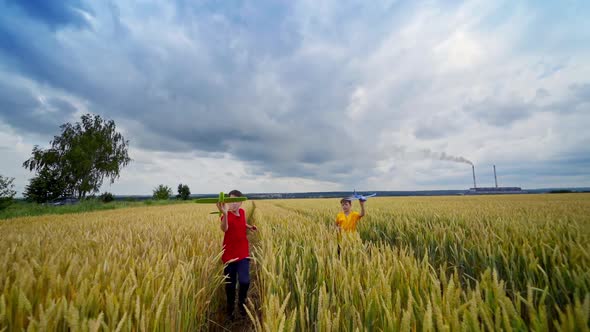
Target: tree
{"points": [[6, 192], [183, 192], [45, 187], [107, 197], [83, 155], [162, 192]]}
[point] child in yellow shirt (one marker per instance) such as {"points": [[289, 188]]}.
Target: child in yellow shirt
{"points": [[347, 219]]}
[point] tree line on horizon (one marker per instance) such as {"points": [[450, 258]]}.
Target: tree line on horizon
{"points": [[77, 163]]}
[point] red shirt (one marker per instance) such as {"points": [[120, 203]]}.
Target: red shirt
{"points": [[235, 241]]}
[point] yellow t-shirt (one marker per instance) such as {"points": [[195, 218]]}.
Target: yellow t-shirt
{"points": [[348, 223]]}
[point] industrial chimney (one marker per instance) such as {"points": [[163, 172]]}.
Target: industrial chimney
{"points": [[492, 190], [495, 178]]}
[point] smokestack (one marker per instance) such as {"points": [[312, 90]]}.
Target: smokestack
{"points": [[473, 169], [495, 178]]}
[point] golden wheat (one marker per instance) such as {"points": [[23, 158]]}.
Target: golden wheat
{"points": [[424, 263], [436, 263], [154, 268]]}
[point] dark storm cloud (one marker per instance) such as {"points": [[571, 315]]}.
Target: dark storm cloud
{"points": [[33, 51], [266, 82], [24, 111], [53, 13], [226, 78]]}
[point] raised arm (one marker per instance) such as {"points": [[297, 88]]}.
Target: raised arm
{"points": [[223, 209], [362, 214]]}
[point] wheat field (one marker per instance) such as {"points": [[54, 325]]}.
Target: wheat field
{"points": [[137, 269], [464, 263]]}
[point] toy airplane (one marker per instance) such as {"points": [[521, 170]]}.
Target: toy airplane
{"points": [[361, 197], [221, 199]]}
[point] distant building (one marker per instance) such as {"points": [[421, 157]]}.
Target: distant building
{"points": [[494, 190]]}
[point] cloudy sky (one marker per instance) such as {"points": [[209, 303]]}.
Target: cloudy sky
{"points": [[272, 96]]}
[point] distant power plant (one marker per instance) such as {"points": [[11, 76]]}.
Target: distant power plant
{"points": [[492, 190]]}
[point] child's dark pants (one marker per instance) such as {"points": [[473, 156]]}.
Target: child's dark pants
{"points": [[237, 271]]}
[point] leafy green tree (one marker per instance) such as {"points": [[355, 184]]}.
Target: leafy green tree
{"points": [[184, 192], [45, 187], [162, 192], [83, 155], [107, 197], [6, 192]]}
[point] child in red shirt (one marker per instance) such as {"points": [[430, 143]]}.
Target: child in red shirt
{"points": [[236, 253]]}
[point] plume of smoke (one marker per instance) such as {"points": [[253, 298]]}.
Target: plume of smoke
{"points": [[445, 156], [404, 153]]}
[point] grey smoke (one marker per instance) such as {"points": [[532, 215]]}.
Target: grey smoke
{"points": [[445, 156]]}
